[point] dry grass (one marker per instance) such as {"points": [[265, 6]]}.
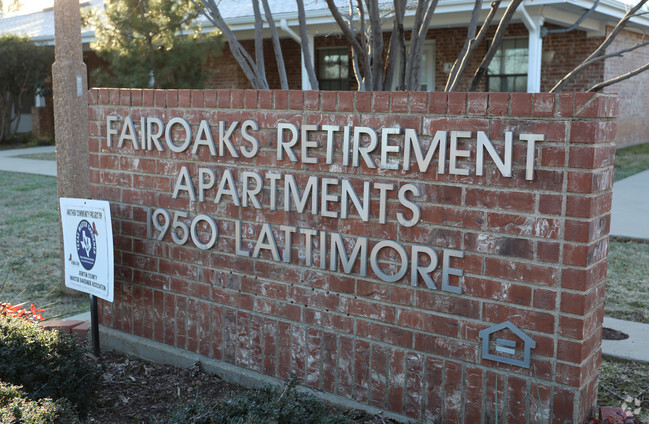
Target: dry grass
{"points": [[627, 290], [29, 246]]}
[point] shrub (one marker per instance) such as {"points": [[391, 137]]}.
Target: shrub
{"points": [[283, 405], [15, 408], [47, 364]]}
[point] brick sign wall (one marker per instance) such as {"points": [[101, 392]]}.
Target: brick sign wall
{"points": [[441, 257]]}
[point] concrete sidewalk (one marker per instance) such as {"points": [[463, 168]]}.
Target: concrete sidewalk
{"points": [[10, 163], [630, 209]]}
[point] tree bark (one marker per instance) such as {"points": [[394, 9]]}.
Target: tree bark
{"points": [[359, 55], [306, 48], [279, 57], [417, 37], [259, 40], [211, 11], [460, 65], [376, 43], [396, 48]]}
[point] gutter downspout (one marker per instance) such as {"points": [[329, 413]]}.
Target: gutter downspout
{"points": [[284, 25], [535, 49]]}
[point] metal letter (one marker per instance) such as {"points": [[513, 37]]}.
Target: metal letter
{"points": [[383, 199], [224, 139], [204, 138], [286, 145], [330, 142], [411, 141], [308, 247], [308, 144], [110, 131], [529, 163], [325, 197], [168, 137], [338, 247], [154, 138], [347, 191], [247, 193], [364, 152], [184, 182], [424, 271], [228, 180], [416, 212], [203, 183], [504, 166], [266, 233], [375, 263], [128, 133], [237, 240], [387, 148], [254, 143], [288, 231], [448, 270]]}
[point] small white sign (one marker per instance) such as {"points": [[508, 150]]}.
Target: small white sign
{"points": [[88, 246]]}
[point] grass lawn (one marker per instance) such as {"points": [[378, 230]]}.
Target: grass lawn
{"points": [[29, 246], [627, 289], [631, 160], [619, 380]]}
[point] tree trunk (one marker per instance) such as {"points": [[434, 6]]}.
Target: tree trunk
{"points": [[211, 10], [495, 44], [424, 14], [460, 65], [306, 48], [259, 40], [279, 57]]}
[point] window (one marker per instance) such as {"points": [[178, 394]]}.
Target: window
{"points": [[427, 79], [333, 68], [508, 69]]}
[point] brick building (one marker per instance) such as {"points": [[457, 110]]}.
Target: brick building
{"points": [[542, 44]]}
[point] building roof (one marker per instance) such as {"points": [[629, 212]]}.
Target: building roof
{"points": [[39, 25]]}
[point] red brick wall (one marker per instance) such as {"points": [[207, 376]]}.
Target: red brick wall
{"points": [[225, 72], [535, 251], [633, 126]]}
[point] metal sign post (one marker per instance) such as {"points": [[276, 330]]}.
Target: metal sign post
{"points": [[88, 253]]}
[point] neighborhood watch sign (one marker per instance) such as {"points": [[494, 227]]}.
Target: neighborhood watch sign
{"points": [[88, 246], [324, 152]]}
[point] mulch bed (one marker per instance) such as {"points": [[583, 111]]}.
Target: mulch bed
{"points": [[134, 390], [138, 391]]}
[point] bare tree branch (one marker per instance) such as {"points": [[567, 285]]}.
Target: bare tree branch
{"points": [[396, 48], [211, 10], [619, 53], [495, 44], [306, 49], [361, 66], [259, 40], [417, 38], [279, 57], [376, 43], [601, 49], [460, 65], [365, 57], [611, 81]]}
